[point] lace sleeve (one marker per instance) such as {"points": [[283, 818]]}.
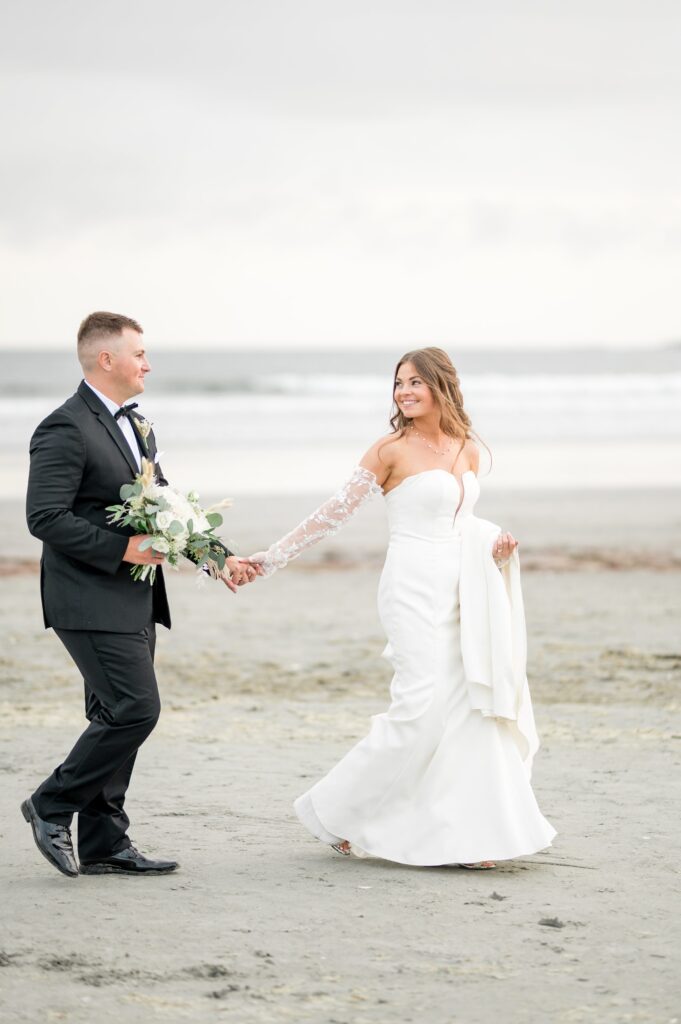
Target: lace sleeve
{"points": [[324, 521]]}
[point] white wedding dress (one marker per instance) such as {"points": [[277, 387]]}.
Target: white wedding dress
{"points": [[434, 782]]}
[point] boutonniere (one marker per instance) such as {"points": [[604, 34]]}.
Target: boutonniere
{"points": [[143, 426]]}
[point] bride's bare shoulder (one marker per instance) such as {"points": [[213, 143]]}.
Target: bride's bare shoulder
{"points": [[381, 457], [472, 454]]}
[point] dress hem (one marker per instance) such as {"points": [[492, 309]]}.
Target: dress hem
{"points": [[445, 861]]}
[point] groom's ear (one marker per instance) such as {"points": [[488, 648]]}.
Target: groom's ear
{"points": [[107, 353], [104, 361]]}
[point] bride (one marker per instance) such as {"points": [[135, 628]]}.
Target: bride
{"points": [[443, 776]]}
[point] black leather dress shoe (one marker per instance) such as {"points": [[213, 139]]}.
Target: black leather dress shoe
{"points": [[128, 862], [53, 841]]}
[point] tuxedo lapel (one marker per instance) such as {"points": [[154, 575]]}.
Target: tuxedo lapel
{"points": [[143, 443], [149, 449], [109, 423]]}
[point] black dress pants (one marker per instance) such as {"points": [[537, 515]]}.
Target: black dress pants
{"points": [[122, 705]]}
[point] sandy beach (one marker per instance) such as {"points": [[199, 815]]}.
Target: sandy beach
{"points": [[262, 693]]}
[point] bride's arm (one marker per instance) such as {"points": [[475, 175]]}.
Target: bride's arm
{"points": [[365, 481]]}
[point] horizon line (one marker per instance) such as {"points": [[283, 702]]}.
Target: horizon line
{"points": [[213, 347]]}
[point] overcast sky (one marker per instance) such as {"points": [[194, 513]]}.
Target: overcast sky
{"points": [[364, 172]]}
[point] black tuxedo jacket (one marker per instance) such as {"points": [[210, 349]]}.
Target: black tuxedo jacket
{"points": [[79, 461]]}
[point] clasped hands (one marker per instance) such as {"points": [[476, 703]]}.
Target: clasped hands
{"points": [[238, 572]]}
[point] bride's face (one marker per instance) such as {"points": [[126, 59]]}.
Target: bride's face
{"points": [[412, 395]]}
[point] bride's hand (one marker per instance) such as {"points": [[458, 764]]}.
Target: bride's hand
{"points": [[503, 548], [259, 563]]}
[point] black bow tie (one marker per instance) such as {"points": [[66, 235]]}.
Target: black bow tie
{"points": [[125, 410]]}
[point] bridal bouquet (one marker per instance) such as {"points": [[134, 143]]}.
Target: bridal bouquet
{"points": [[177, 525]]}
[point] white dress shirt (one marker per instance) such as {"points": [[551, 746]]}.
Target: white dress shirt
{"points": [[123, 423]]}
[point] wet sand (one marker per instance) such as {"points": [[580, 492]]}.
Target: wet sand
{"points": [[262, 693]]}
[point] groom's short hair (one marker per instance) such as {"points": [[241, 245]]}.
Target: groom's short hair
{"points": [[97, 327]]}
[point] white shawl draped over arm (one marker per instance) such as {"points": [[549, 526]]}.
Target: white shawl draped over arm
{"points": [[493, 635]]}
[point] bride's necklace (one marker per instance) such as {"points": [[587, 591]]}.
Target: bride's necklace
{"points": [[431, 446]]}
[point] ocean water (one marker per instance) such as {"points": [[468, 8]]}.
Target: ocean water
{"points": [[294, 422]]}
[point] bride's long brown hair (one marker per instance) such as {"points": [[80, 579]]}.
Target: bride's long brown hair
{"points": [[437, 371]]}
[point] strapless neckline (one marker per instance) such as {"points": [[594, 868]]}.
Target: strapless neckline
{"points": [[414, 476]]}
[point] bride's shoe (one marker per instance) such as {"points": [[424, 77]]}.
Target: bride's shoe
{"points": [[342, 848], [481, 865]]}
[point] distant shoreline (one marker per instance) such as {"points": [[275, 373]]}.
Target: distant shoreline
{"points": [[554, 561]]}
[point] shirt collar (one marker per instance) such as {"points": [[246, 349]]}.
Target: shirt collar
{"points": [[113, 407]]}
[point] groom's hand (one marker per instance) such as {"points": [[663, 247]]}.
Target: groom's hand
{"points": [[137, 557]]}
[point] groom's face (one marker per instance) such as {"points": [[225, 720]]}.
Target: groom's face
{"points": [[129, 364]]}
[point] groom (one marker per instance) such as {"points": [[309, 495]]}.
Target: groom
{"points": [[81, 455]]}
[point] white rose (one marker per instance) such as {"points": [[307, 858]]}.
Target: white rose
{"points": [[201, 524], [161, 545], [164, 519]]}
